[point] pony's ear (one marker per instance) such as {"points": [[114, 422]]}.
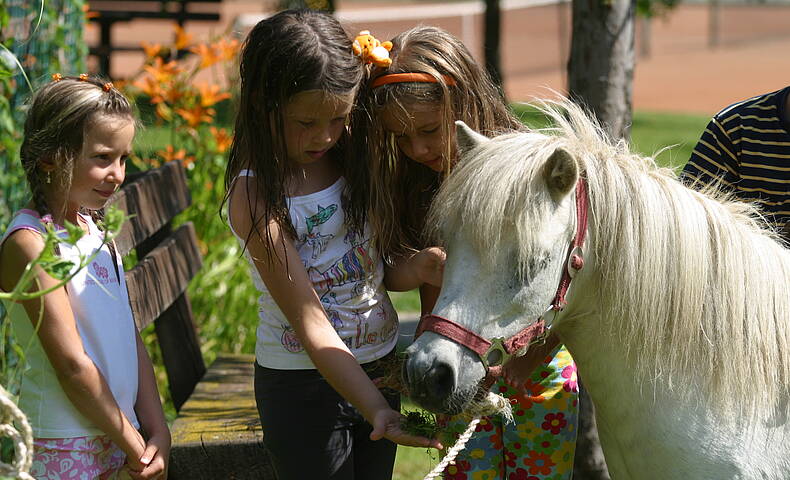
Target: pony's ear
{"points": [[466, 137], [561, 173]]}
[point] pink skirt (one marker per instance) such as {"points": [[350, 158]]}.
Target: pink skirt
{"points": [[76, 458]]}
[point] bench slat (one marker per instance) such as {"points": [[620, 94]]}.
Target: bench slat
{"points": [[218, 433], [163, 275], [156, 198]]}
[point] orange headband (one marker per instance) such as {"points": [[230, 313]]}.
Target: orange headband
{"points": [[409, 77]]}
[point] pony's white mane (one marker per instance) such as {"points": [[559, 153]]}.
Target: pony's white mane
{"points": [[691, 281]]}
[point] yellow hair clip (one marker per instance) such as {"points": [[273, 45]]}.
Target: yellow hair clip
{"points": [[56, 77], [107, 86], [371, 50], [83, 77]]}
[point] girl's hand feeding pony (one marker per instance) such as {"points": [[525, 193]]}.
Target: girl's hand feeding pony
{"points": [[89, 386]]}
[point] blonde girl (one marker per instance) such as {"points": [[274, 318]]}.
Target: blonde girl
{"points": [[411, 106], [89, 386], [297, 201]]}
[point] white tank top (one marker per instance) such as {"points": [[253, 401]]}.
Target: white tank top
{"points": [[347, 273], [105, 324]]}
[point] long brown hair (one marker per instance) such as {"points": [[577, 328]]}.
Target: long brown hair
{"points": [[288, 53], [401, 189]]}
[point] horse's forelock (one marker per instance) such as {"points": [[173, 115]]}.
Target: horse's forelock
{"points": [[487, 194]]}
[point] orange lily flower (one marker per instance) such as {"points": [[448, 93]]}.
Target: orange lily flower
{"points": [[227, 48], [169, 154], [151, 49], [209, 94], [207, 53], [196, 115], [150, 87], [162, 71], [222, 138], [183, 39]]}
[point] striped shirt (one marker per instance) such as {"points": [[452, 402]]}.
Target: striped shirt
{"points": [[746, 147]]}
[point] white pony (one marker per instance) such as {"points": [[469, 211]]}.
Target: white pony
{"points": [[679, 321]]}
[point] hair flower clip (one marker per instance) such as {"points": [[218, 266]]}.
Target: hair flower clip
{"points": [[56, 77], [371, 50], [83, 77], [107, 86]]}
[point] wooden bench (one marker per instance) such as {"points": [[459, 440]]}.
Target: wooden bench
{"points": [[107, 13], [217, 434]]}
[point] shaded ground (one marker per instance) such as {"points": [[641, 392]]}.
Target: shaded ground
{"points": [[677, 70]]}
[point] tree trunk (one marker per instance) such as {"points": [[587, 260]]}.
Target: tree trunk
{"points": [[491, 43], [601, 64], [600, 77], [588, 461]]}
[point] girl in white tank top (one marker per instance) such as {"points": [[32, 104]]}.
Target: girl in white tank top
{"points": [[88, 385], [297, 201]]}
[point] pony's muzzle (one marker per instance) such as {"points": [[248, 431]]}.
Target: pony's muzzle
{"points": [[430, 384]]}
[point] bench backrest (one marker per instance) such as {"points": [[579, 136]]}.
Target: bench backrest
{"points": [[166, 261]]}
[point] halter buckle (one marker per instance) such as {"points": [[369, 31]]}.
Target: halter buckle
{"points": [[496, 355]]}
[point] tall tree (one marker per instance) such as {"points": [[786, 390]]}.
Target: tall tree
{"points": [[602, 59], [491, 42], [600, 77]]}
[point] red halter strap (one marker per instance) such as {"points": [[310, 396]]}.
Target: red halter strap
{"points": [[534, 333]]}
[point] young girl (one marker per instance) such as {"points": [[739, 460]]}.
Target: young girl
{"points": [[433, 81], [297, 201], [89, 385]]}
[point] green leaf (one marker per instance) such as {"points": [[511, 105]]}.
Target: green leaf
{"points": [[59, 269], [74, 233]]}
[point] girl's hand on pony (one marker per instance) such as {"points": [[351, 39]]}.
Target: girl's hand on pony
{"points": [[387, 424], [428, 265]]}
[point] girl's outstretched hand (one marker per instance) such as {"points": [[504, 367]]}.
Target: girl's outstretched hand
{"points": [[387, 424]]}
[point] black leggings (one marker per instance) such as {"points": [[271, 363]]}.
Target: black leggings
{"points": [[313, 433]]}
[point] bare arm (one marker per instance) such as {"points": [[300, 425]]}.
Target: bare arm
{"points": [[413, 271], [79, 377], [294, 294], [152, 418]]}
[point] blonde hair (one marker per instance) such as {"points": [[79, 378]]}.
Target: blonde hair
{"points": [[55, 127], [401, 190]]}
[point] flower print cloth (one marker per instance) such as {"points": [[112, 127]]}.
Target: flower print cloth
{"points": [[79, 458], [539, 444]]}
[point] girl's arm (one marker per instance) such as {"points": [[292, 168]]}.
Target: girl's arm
{"points": [[294, 294], [414, 270], [79, 377], [152, 418]]}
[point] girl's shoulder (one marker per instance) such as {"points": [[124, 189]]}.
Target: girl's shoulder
{"points": [[21, 243], [243, 202]]}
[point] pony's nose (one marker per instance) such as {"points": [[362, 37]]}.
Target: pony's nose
{"points": [[439, 381], [431, 386]]}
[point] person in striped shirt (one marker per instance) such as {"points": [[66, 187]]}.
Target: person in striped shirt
{"points": [[746, 147]]}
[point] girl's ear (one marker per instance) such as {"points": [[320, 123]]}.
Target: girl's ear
{"points": [[467, 138]]}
